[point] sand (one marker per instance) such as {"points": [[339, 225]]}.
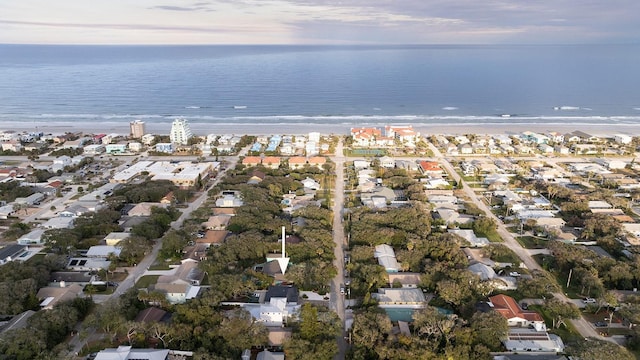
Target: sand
{"points": [[295, 129]]}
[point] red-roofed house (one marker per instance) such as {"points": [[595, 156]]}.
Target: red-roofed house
{"points": [[55, 184], [251, 161], [317, 161], [515, 316], [271, 162], [430, 168], [365, 136], [404, 134], [297, 162]]}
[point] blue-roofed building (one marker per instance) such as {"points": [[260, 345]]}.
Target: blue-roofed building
{"points": [[256, 147]]}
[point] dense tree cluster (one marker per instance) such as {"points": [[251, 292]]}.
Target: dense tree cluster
{"points": [[20, 281], [43, 337], [11, 190], [148, 191]]}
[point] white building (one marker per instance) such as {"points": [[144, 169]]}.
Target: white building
{"points": [[180, 131]]}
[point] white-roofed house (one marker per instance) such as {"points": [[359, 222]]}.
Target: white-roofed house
{"points": [[128, 353], [60, 222], [470, 237], [103, 251], [386, 258], [114, 238], [34, 237]]}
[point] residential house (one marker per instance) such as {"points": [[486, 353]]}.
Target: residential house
{"points": [[34, 237], [74, 211], [50, 296], [152, 315], [251, 161], [229, 199], [386, 258], [271, 162], [88, 264], [297, 162], [317, 161], [103, 251], [487, 274], [470, 237], [622, 139], [256, 177], [144, 208], [387, 162], [412, 298], [405, 279], [510, 310], [12, 252], [128, 353], [60, 222], [216, 222], [310, 184], [465, 149], [177, 291], [430, 168]]}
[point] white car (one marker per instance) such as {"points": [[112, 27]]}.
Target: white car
{"points": [[589, 300], [514, 274]]}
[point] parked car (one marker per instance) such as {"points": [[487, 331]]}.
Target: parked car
{"points": [[589, 300], [514, 274], [524, 306], [600, 324]]}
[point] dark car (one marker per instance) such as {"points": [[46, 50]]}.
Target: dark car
{"points": [[600, 324]]}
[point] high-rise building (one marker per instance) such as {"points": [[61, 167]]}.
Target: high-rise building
{"points": [[137, 129], [180, 131]]}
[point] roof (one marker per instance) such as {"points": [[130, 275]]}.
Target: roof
{"points": [[317, 160], [400, 296], [127, 353], [509, 308], [214, 236], [279, 291], [103, 251], [150, 315], [297, 160], [11, 251], [18, 322]]}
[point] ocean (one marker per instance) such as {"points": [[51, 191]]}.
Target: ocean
{"points": [[323, 85]]}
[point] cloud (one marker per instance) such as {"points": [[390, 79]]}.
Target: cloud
{"points": [[174, 8], [205, 29]]}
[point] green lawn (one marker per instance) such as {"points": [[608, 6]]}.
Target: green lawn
{"points": [[567, 332], [530, 242], [147, 280]]}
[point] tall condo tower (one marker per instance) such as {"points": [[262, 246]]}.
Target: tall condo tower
{"points": [[137, 129], [180, 131]]}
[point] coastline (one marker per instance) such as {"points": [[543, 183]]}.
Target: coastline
{"points": [[203, 129]]}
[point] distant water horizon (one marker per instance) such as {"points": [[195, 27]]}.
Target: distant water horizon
{"points": [[293, 85]]}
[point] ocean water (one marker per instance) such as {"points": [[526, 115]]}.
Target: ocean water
{"points": [[262, 85]]}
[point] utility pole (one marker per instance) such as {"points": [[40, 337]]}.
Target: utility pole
{"points": [[569, 278]]}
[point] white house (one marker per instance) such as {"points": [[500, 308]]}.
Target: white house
{"points": [[386, 258], [470, 237], [34, 237]]}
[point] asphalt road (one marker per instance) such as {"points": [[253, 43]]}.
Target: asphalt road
{"points": [[337, 299]]}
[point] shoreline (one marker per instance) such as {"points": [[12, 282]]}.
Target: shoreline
{"points": [[203, 129]]}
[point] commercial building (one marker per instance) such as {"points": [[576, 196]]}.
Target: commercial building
{"points": [[180, 131], [137, 129]]}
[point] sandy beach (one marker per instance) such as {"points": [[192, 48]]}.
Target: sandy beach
{"points": [[297, 128]]}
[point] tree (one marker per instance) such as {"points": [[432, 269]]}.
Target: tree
{"points": [[240, 331], [594, 349], [489, 328], [559, 311]]}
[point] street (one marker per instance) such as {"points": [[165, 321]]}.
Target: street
{"points": [[337, 298]]}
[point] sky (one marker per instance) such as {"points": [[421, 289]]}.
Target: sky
{"points": [[319, 21]]}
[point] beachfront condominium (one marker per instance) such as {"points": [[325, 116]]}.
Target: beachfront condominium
{"points": [[137, 129], [180, 131]]}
